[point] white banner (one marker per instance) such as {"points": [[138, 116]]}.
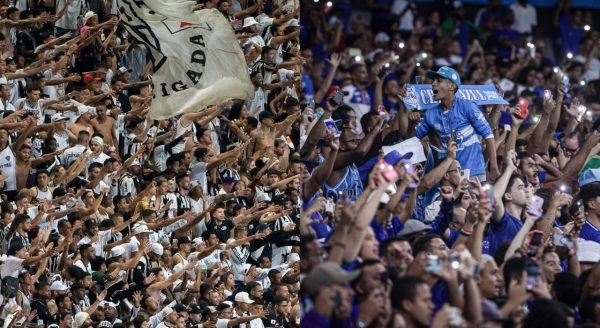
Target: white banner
{"points": [[196, 56], [412, 145]]}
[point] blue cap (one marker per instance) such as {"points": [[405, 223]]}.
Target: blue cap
{"points": [[446, 73], [394, 157], [588, 176]]}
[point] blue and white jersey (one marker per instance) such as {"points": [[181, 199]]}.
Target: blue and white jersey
{"points": [[349, 186], [468, 121]]}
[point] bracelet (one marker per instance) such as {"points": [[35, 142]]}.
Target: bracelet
{"points": [[465, 233], [467, 230]]}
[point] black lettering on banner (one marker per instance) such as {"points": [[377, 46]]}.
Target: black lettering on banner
{"points": [[194, 76], [198, 57], [177, 88]]}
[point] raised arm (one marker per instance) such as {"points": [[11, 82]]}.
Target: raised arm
{"points": [[502, 184]]}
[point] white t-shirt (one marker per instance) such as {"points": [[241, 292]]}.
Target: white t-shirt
{"points": [[198, 173], [87, 268], [525, 17], [69, 19], [71, 154], [11, 267]]}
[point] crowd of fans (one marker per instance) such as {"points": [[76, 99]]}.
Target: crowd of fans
{"points": [[456, 214], [109, 218]]}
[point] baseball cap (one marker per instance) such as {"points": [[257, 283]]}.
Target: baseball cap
{"points": [[243, 297], [87, 16], [180, 308], [293, 23], [327, 274], [413, 226], [58, 117], [89, 77], [9, 60], [98, 140], [195, 309], [183, 240], [117, 251], [58, 286], [588, 176], [142, 228], [446, 73], [124, 70], [382, 37], [157, 249], [197, 241], [105, 324]]}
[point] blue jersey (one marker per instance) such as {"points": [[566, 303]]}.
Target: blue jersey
{"points": [[590, 232], [349, 186], [390, 229], [468, 121], [500, 232]]}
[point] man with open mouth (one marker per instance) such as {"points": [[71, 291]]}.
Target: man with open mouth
{"points": [[461, 120]]}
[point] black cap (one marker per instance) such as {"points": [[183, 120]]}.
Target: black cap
{"points": [[195, 309], [183, 240], [180, 308]]}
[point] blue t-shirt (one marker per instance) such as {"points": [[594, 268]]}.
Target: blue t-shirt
{"points": [[390, 229], [500, 232], [470, 124], [590, 232]]}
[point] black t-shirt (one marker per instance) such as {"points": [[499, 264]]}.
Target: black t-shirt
{"points": [[223, 230]]}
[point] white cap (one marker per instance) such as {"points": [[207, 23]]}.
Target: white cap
{"points": [[588, 251], [142, 228], [123, 70], [117, 251], [243, 297], [58, 286], [79, 319], [58, 117], [293, 257], [249, 21], [87, 16], [293, 23], [157, 249], [197, 241], [98, 140], [382, 37]]}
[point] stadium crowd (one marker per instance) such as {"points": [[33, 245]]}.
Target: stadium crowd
{"points": [[112, 219], [453, 213]]}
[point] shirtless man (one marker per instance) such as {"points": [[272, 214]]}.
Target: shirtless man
{"points": [[264, 136], [83, 123], [105, 125], [25, 163]]}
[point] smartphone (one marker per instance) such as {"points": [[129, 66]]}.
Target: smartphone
{"points": [[547, 95], [531, 47], [533, 273], [453, 136], [455, 318], [330, 125], [536, 206], [383, 72], [580, 112], [581, 207], [465, 174], [561, 240], [488, 192], [523, 104], [565, 81], [338, 98], [534, 242], [387, 171], [434, 265], [353, 52], [455, 262], [328, 206], [410, 169], [381, 110]]}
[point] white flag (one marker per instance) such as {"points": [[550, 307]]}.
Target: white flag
{"points": [[196, 56]]}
